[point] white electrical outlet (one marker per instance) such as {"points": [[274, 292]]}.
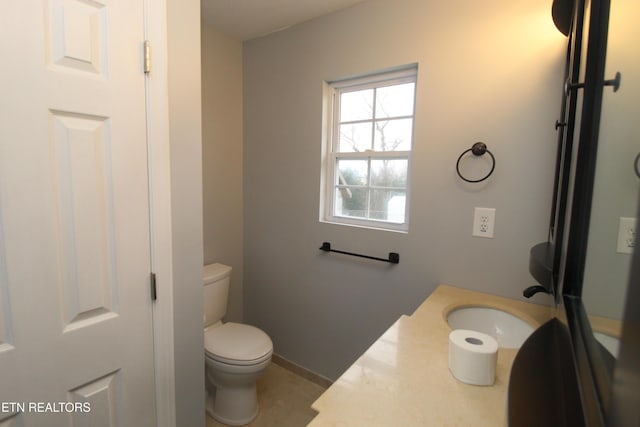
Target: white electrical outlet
{"points": [[626, 235], [484, 220]]}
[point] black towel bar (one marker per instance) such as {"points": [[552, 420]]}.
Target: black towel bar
{"points": [[394, 257]]}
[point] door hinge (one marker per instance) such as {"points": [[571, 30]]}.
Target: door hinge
{"points": [[154, 290], [147, 57]]}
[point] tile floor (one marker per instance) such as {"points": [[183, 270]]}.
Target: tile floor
{"points": [[285, 399]]}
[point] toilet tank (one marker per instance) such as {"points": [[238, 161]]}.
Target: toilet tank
{"points": [[215, 278]]}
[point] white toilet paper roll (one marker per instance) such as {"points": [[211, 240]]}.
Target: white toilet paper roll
{"points": [[473, 357]]}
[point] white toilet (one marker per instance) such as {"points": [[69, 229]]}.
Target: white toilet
{"points": [[235, 354]]}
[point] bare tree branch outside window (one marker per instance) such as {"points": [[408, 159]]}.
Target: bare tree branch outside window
{"points": [[386, 178]]}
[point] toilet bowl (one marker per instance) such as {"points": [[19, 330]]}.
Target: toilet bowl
{"points": [[235, 355]]}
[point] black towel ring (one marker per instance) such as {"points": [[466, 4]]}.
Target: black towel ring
{"points": [[478, 149], [635, 165]]}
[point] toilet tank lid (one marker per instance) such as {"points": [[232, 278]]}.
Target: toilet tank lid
{"points": [[214, 272]]}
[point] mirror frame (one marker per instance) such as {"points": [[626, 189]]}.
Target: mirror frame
{"points": [[593, 369], [562, 192], [582, 383]]}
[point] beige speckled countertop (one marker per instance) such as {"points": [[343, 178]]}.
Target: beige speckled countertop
{"points": [[404, 379]]}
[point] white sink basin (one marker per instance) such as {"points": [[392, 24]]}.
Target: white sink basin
{"points": [[509, 330]]}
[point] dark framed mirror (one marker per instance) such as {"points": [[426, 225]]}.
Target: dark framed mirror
{"points": [[604, 205], [591, 364], [590, 349]]}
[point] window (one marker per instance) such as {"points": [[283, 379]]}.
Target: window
{"points": [[368, 151]]}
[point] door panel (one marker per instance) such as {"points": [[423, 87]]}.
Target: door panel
{"points": [[84, 198], [75, 311]]}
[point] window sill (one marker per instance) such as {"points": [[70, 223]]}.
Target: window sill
{"points": [[401, 228]]}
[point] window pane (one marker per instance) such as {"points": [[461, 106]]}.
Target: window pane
{"points": [[388, 205], [356, 105], [355, 137], [395, 101], [351, 202], [393, 135], [370, 149], [352, 172], [389, 173]]}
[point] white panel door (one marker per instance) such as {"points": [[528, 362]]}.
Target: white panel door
{"points": [[76, 343]]}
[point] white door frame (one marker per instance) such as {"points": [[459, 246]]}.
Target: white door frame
{"points": [[160, 211], [161, 208]]}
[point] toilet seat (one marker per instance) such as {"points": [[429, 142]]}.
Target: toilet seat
{"points": [[237, 344]]}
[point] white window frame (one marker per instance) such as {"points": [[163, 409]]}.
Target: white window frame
{"points": [[331, 140]]}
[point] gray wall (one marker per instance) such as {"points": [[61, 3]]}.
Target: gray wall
{"points": [[488, 71], [222, 158]]}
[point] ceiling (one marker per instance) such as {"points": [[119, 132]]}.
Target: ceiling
{"points": [[248, 19]]}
